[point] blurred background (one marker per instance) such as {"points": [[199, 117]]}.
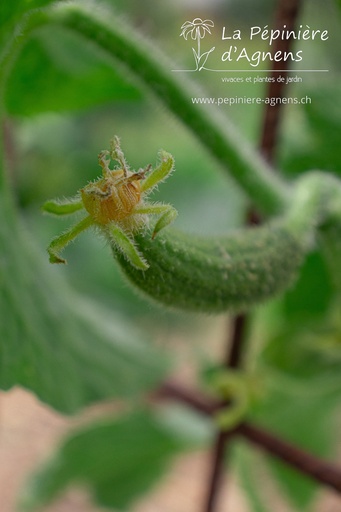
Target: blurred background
{"points": [[53, 137]]}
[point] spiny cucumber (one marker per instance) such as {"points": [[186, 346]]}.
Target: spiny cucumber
{"points": [[219, 273]]}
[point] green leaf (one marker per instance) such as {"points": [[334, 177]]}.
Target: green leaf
{"points": [[310, 429], [331, 247], [305, 340], [59, 71], [310, 353], [64, 348], [302, 360], [318, 146], [249, 477], [302, 414], [119, 460], [311, 296]]}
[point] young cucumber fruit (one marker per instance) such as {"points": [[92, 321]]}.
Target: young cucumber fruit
{"points": [[216, 274]]}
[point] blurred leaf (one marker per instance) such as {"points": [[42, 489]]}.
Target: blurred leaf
{"points": [[307, 354], [330, 237], [312, 430], [302, 413], [118, 460], [312, 294], [249, 477], [64, 348], [188, 425], [301, 362], [58, 71], [299, 341], [319, 147]]}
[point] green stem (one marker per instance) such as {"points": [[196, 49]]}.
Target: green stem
{"points": [[268, 191], [316, 198]]}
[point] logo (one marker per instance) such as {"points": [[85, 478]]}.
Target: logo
{"points": [[244, 56], [197, 30]]}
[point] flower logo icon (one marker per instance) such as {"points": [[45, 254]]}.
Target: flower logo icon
{"points": [[197, 29]]}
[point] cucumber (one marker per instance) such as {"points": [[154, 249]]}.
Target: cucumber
{"points": [[216, 274]]}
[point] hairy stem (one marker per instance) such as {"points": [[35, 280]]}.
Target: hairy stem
{"points": [[141, 59]]}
